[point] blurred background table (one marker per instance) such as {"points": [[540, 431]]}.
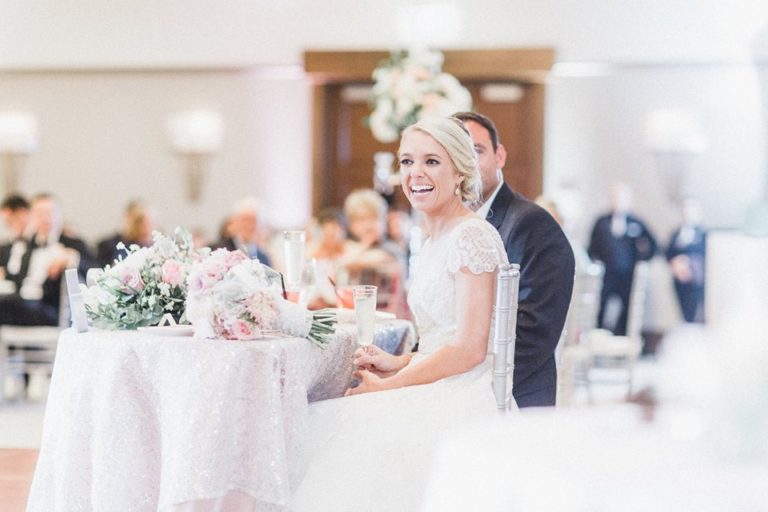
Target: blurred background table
{"points": [[147, 422], [594, 460]]}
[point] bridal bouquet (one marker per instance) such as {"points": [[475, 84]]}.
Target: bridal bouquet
{"points": [[230, 296], [409, 86], [146, 284]]}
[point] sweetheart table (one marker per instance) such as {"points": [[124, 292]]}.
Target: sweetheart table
{"points": [[137, 421]]}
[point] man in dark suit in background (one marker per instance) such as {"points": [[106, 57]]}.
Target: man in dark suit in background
{"points": [[36, 279], [15, 214], [686, 254], [536, 242], [619, 240], [242, 231]]}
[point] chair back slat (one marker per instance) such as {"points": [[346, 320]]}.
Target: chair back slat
{"points": [[76, 304], [504, 328]]}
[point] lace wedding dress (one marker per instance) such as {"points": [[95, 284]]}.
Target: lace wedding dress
{"points": [[372, 452]]}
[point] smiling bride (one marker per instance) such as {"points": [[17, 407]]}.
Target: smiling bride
{"points": [[372, 450]]}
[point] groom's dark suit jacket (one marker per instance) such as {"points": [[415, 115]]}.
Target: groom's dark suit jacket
{"points": [[534, 240]]}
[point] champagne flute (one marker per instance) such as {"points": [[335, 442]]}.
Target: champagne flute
{"points": [[293, 248], [365, 313], [308, 282]]}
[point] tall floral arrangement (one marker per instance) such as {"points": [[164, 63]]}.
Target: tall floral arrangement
{"points": [[232, 297], [146, 284], [410, 85]]}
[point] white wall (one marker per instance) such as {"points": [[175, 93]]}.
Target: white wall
{"points": [[141, 33], [103, 142], [596, 134]]}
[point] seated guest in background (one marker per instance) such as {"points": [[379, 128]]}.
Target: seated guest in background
{"points": [[37, 283], [580, 255], [332, 243], [686, 254], [536, 242], [398, 227], [399, 230], [15, 213], [376, 260], [138, 224], [619, 240], [366, 213], [242, 231], [329, 249]]}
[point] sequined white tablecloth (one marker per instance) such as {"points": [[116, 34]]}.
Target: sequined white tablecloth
{"points": [[136, 422]]}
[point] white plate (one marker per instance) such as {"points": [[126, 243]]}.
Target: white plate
{"points": [[169, 330]]}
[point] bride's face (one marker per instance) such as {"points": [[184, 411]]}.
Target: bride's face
{"points": [[428, 176]]}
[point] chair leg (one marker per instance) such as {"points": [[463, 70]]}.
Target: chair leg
{"points": [[630, 377], [3, 366]]}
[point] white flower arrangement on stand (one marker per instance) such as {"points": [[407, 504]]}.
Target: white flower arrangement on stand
{"points": [[409, 86]]}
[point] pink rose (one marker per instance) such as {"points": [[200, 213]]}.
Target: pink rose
{"points": [[172, 272], [242, 330], [195, 283], [131, 278], [235, 257], [214, 269], [261, 308]]}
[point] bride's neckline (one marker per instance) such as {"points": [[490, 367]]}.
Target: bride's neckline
{"points": [[452, 226]]}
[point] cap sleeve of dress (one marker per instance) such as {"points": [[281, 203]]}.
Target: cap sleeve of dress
{"points": [[476, 246]]}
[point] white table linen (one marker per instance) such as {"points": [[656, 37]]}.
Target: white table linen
{"points": [[142, 422]]}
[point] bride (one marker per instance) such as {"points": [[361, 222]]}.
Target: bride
{"points": [[372, 451]]}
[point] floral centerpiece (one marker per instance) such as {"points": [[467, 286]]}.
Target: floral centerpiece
{"points": [[409, 86], [148, 283], [231, 297]]}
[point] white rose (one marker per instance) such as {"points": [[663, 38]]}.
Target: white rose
{"points": [[382, 129], [404, 106]]}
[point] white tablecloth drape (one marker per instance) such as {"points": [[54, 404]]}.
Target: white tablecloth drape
{"points": [[141, 422]]}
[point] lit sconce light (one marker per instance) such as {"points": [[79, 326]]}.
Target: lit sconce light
{"points": [[195, 135], [674, 136], [18, 138]]}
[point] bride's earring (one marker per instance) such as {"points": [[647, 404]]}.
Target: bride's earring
{"points": [[457, 190]]}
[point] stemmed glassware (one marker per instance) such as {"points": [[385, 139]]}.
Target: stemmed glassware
{"points": [[365, 313], [293, 249], [308, 282]]}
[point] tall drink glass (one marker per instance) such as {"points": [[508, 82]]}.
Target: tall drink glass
{"points": [[365, 313], [293, 248]]}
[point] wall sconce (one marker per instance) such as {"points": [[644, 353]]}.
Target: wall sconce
{"points": [[195, 135], [674, 136], [18, 138]]}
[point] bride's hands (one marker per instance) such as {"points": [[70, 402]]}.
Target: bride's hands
{"points": [[369, 382], [373, 359]]}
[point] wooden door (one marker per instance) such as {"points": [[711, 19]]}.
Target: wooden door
{"points": [[344, 146]]}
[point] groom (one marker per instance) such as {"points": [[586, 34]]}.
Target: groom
{"points": [[535, 241]]}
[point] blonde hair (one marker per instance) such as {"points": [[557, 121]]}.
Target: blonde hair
{"points": [[454, 137], [365, 201]]}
